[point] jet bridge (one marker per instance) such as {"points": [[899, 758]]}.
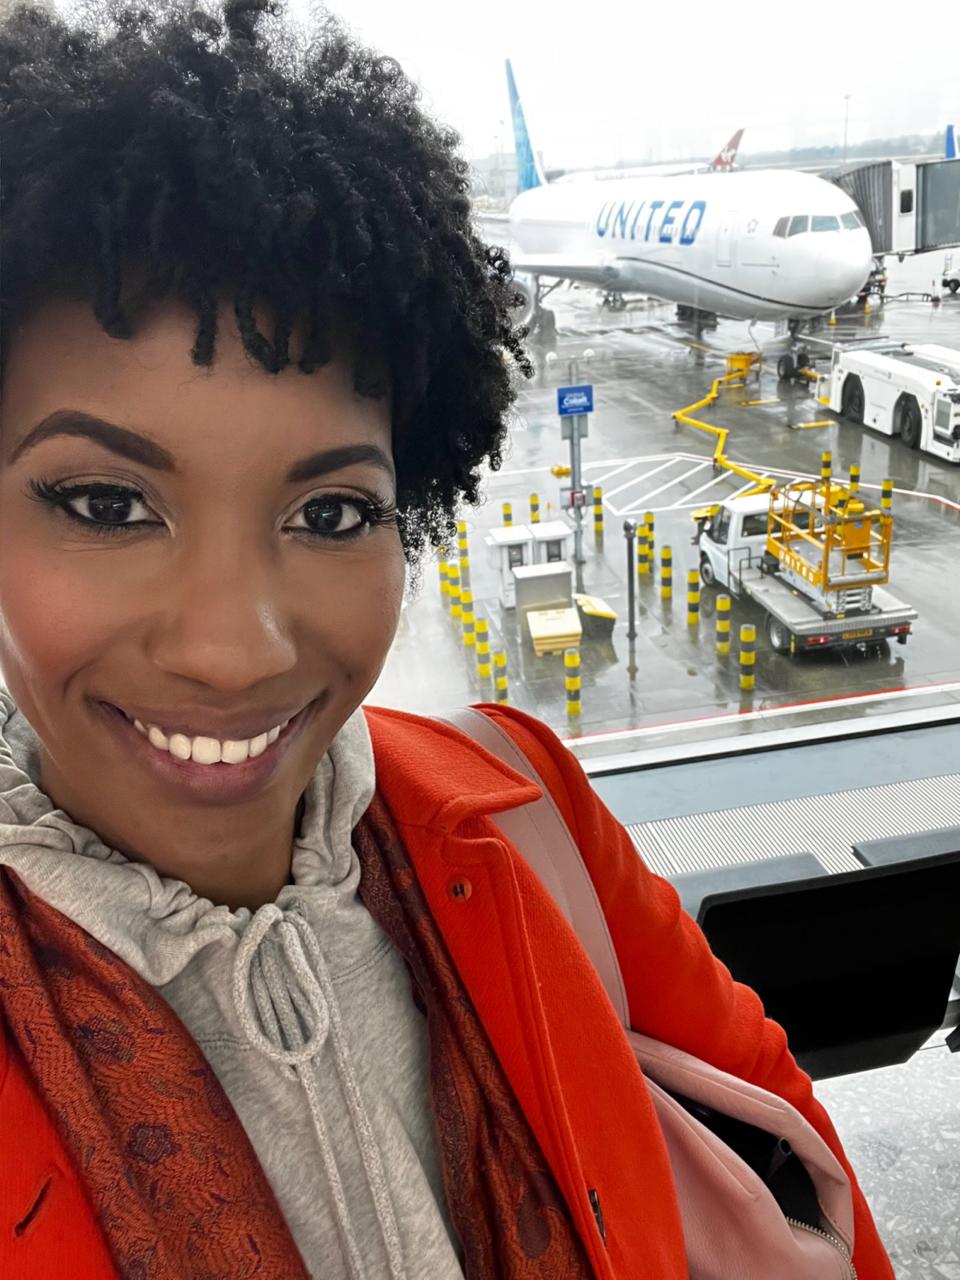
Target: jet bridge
{"points": [[908, 208]]}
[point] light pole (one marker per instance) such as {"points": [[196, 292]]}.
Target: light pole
{"points": [[846, 118]]}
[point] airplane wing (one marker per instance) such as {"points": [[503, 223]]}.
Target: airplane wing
{"points": [[559, 266]]}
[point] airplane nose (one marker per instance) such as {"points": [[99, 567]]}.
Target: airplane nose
{"points": [[845, 266]]}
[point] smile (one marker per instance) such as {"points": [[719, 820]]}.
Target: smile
{"points": [[208, 750]]}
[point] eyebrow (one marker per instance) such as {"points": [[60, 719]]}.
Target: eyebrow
{"points": [[138, 448]]}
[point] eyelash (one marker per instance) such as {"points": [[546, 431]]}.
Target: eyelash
{"points": [[374, 512]]}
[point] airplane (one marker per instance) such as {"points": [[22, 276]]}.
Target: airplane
{"points": [[722, 162], [749, 245]]}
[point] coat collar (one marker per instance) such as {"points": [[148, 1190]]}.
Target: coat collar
{"points": [[431, 774]]}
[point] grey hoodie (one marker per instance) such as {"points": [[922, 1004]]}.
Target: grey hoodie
{"points": [[302, 1008]]}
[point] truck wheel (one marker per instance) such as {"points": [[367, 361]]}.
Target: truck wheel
{"points": [[953, 286], [910, 424], [851, 402], [786, 367], [778, 635], [707, 576]]}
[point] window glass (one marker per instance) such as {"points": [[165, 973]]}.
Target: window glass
{"points": [[906, 201], [781, 228], [755, 526], [851, 221], [720, 526], [799, 224], [825, 222]]}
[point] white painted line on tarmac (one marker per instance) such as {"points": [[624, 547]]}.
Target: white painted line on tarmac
{"points": [[643, 503], [724, 475], [608, 475], [765, 713], [639, 480]]}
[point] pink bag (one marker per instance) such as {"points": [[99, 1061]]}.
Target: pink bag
{"points": [[733, 1224]]}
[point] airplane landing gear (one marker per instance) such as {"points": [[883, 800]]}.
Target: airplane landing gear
{"points": [[614, 300]]}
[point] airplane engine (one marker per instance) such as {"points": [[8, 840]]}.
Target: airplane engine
{"points": [[526, 289]]}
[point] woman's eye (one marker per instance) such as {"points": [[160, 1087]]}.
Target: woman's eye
{"points": [[332, 516], [103, 504]]}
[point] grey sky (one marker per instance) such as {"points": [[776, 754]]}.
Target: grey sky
{"points": [[629, 80]]}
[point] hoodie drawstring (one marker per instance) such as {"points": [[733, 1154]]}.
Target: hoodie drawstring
{"points": [[289, 1022]]}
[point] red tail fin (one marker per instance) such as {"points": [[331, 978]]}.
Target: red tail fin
{"points": [[727, 156]]}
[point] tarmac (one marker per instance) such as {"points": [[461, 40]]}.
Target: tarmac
{"points": [[670, 684]]}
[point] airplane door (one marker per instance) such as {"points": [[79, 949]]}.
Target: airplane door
{"points": [[725, 240]]}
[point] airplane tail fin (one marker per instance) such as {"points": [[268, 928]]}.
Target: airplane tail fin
{"points": [[529, 173], [726, 156], [951, 150]]}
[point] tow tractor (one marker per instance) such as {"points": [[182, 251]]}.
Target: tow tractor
{"points": [[908, 391], [814, 557]]}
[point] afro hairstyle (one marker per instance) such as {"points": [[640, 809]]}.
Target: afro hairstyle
{"points": [[218, 153]]}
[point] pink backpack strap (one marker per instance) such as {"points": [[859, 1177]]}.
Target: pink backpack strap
{"points": [[539, 834]]}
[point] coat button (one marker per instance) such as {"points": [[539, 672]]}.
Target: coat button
{"points": [[461, 889]]}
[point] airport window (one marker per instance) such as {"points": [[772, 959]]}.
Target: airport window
{"points": [[906, 201], [781, 228], [799, 224], [825, 222]]}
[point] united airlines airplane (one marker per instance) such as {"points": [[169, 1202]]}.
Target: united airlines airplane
{"points": [[761, 245]]}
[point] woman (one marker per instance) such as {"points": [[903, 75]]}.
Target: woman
{"points": [[277, 1000]]}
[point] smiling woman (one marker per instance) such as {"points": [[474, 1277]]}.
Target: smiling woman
{"points": [[277, 997]]}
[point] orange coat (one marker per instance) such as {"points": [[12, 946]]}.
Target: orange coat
{"points": [[543, 1007]]}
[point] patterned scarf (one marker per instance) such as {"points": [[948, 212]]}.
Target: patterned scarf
{"points": [[174, 1181]]}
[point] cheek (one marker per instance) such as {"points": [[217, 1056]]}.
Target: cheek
{"points": [[358, 613], [53, 620]]}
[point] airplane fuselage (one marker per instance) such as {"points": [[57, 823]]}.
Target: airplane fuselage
{"points": [[750, 245]]}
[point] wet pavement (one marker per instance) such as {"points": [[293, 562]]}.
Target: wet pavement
{"points": [[645, 366]]}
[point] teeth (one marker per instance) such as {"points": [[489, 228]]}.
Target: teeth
{"points": [[206, 750]]}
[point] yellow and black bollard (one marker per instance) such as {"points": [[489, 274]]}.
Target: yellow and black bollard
{"points": [[462, 548], [466, 617], [748, 657], [484, 670], [597, 513], [571, 680], [464, 572], [886, 496], [651, 540], [444, 582], [666, 574], [723, 625], [643, 551], [534, 508], [826, 466], [453, 578], [840, 506], [501, 689], [507, 513], [854, 478], [693, 598]]}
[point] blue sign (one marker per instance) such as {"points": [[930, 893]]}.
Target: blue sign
{"points": [[575, 400]]}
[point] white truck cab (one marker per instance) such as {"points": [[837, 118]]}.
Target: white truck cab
{"points": [[910, 392]]}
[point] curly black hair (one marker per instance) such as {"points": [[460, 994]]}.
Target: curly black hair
{"points": [[219, 152]]}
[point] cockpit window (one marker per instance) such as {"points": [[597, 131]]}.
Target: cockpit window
{"points": [[799, 224], [781, 228], [851, 221], [825, 222]]}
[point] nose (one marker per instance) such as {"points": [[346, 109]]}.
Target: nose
{"points": [[837, 264], [227, 619]]}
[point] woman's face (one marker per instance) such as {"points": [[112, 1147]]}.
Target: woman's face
{"points": [[244, 569]]}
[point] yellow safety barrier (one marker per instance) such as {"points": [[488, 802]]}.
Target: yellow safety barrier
{"points": [[466, 617], [666, 574], [534, 508], [453, 577], [571, 680], [507, 513], [886, 496], [723, 625], [643, 551], [501, 689], [748, 656], [693, 598], [598, 513], [484, 669]]}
